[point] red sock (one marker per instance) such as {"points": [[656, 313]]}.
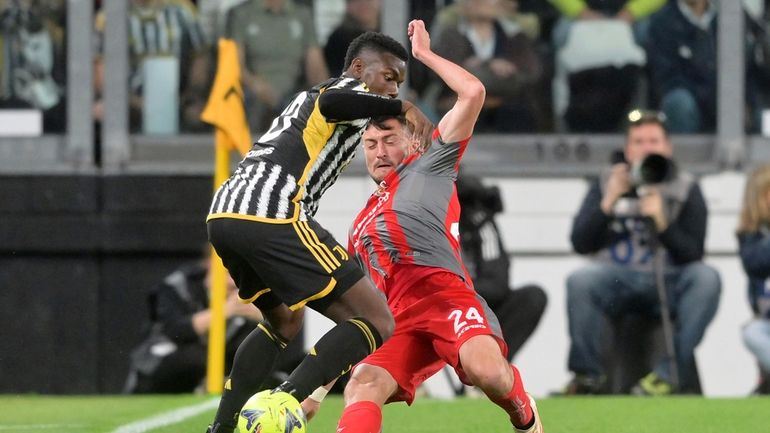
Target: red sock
{"points": [[361, 417], [516, 402]]}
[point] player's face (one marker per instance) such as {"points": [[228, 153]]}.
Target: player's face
{"points": [[646, 139], [384, 149], [382, 73]]}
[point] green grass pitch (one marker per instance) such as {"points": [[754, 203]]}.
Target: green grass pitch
{"points": [[130, 414]]}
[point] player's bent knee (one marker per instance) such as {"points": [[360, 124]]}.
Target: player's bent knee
{"points": [[485, 365], [285, 322], [369, 383], [494, 378]]}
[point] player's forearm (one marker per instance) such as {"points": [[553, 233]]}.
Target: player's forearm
{"points": [[342, 105], [462, 82]]}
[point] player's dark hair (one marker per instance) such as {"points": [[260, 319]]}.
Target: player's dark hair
{"points": [[380, 122], [376, 42]]}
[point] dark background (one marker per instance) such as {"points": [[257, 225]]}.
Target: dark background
{"points": [[78, 255]]}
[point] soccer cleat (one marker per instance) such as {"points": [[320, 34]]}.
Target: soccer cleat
{"points": [[537, 427], [286, 387], [653, 385]]}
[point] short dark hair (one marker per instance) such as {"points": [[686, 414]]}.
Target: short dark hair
{"points": [[377, 42], [379, 122]]}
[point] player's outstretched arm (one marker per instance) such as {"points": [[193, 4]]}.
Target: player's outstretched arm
{"points": [[457, 123]]}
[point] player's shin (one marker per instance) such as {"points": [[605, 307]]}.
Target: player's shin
{"points": [[335, 353], [516, 403], [254, 360]]}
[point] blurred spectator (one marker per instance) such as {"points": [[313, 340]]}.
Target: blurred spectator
{"points": [[213, 15], [546, 14], [172, 359], [270, 76], [32, 58], [632, 12], [596, 76], [758, 81], [360, 16], [167, 29], [518, 310], [754, 240], [682, 55], [450, 17], [496, 50], [620, 222], [599, 61]]}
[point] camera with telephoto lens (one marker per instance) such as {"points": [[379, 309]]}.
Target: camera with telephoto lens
{"points": [[653, 168]]}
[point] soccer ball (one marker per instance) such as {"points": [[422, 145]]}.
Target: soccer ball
{"points": [[271, 412]]}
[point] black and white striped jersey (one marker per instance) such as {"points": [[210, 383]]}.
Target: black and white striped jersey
{"points": [[289, 168]]}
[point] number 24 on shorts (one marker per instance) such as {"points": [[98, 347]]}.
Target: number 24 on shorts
{"points": [[470, 315]]}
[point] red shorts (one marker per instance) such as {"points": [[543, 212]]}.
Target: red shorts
{"points": [[433, 319]]}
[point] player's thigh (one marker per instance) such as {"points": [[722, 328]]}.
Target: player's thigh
{"points": [[299, 262], [307, 266], [408, 358], [457, 315], [224, 236]]}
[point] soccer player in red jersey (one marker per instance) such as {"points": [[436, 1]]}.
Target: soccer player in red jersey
{"points": [[406, 238]]}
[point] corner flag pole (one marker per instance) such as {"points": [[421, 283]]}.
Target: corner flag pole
{"points": [[225, 112], [215, 367]]}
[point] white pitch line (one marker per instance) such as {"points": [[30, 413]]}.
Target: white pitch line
{"points": [[167, 418]]}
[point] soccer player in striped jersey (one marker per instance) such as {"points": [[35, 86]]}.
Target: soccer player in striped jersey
{"points": [[261, 225], [407, 239]]}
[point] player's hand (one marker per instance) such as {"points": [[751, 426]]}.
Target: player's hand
{"points": [[310, 407], [618, 184], [651, 205], [419, 38], [421, 125]]}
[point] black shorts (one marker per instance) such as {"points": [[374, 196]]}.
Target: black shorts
{"points": [[295, 263]]}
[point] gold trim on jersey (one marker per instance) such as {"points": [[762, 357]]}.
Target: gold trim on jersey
{"points": [[316, 241], [343, 254], [253, 298], [314, 249], [314, 141], [317, 132], [319, 295], [268, 220]]}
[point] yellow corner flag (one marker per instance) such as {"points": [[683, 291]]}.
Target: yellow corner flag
{"points": [[224, 108], [225, 111]]}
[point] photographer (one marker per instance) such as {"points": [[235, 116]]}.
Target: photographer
{"points": [[632, 209], [519, 310]]}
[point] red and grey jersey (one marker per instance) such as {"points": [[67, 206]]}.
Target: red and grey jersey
{"points": [[412, 219]]}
